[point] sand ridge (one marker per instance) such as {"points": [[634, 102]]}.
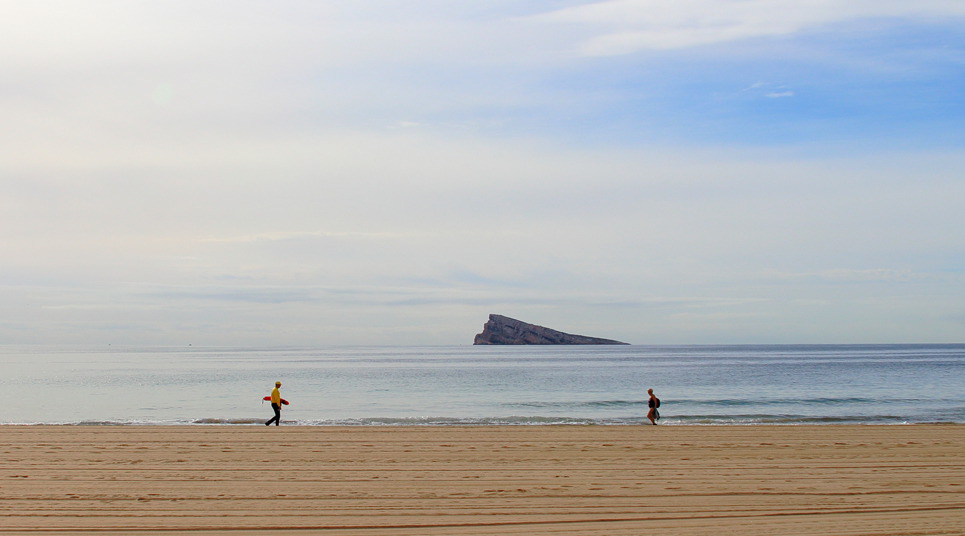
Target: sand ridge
{"points": [[606, 480]]}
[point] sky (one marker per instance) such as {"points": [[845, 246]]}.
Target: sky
{"points": [[390, 173]]}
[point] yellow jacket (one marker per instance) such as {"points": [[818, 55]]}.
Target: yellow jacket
{"points": [[275, 396]]}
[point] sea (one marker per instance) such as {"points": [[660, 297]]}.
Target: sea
{"points": [[484, 385]]}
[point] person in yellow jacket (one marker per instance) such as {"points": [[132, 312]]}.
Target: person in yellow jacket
{"points": [[275, 405]]}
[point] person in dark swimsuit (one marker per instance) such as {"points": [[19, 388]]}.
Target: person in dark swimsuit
{"points": [[654, 402]]}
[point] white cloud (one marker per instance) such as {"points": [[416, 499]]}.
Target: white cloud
{"points": [[626, 26], [251, 174], [367, 234], [296, 235], [851, 275]]}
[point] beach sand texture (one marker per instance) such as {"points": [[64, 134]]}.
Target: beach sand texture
{"points": [[602, 480]]}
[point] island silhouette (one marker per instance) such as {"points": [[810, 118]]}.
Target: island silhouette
{"points": [[504, 330]]}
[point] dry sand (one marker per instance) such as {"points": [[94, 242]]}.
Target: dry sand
{"points": [[606, 480]]}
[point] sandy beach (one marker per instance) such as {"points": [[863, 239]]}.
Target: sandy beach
{"points": [[612, 480]]}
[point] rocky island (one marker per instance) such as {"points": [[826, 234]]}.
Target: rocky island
{"points": [[504, 330]]}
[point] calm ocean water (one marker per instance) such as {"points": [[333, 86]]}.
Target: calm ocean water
{"points": [[887, 384]]}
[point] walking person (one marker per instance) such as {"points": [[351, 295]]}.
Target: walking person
{"points": [[275, 405], [654, 403]]}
